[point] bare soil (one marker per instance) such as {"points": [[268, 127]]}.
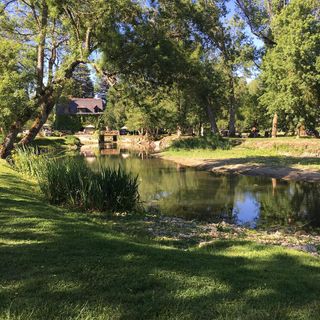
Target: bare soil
{"points": [[236, 167]]}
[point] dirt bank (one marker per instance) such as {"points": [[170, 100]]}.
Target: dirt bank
{"points": [[237, 166]]}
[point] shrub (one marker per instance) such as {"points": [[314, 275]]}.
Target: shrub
{"points": [[207, 142], [68, 122], [71, 140]]}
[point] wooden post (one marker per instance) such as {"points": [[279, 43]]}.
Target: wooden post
{"points": [[275, 126], [101, 137]]}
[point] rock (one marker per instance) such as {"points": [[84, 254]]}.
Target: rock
{"points": [[310, 248], [300, 233]]}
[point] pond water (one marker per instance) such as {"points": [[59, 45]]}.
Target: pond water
{"points": [[252, 201]]}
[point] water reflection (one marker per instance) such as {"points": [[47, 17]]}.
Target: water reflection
{"points": [[252, 201]]}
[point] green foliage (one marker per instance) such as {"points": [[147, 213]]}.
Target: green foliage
{"points": [[69, 182], [68, 122], [207, 142], [80, 85], [16, 78], [75, 123], [72, 141], [251, 112], [291, 68], [141, 106], [28, 161]]}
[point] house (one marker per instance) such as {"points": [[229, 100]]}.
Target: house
{"points": [[81, 106]]}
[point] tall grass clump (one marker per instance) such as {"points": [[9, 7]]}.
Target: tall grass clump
{"points": [[206, 142], [70, 182], [28, 160]]}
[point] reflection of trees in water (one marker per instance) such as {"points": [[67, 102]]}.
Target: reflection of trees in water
{"points": [[290, 203], [178, 190], [309, 198], [196, 194]]}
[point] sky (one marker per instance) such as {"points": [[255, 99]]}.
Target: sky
{"points": [[232, 8]]}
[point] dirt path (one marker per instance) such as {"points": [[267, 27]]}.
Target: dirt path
{"points": [[237, 166]]}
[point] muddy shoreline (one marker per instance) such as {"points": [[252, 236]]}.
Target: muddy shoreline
{"points": [[186, 232], [232, 166]]}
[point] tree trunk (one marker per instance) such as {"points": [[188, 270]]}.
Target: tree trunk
{"points": [[275, 126], [46, 104], [37, 124], [212, 120], [232, 109], [8, 142]]}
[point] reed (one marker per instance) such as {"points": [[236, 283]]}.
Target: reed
{"points": [[70, 182]]}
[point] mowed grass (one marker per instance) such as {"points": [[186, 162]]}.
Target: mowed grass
{"points": [[56, 143], [297, 153], [60, 265]]}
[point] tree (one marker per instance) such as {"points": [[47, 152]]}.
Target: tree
{"points": [[251, 112], [101, 88], [81, 83], [259, 16], [229, 41], [16, 79], [291, 69], [165, 47], [143, 107]]}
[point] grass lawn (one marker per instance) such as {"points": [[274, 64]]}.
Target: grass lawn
{"points": [[57, 143], [59, 265], [296, 153]]}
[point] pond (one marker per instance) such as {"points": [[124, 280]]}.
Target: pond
{"points": [[256, 202]]}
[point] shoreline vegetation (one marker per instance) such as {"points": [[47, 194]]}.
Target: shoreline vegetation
{"points": [[90, 267]]}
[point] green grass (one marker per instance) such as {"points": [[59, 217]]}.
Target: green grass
{"points": [[299, 153], [56, 143], [59, 265]]}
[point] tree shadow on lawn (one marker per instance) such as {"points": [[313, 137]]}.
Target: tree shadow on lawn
{"points": [[83, 270]]}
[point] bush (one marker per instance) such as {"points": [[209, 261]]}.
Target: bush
{"points": [[72, 141], [69, 182], [207, 142], [68, 122]]}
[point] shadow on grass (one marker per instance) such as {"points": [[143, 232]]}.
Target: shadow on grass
{"points": [[82, 270]]}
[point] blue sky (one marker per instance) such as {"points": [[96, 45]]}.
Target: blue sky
{"points": [[232, 7]]}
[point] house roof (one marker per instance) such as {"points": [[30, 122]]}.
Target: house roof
{"points": [[86, 103], [81, 106]]}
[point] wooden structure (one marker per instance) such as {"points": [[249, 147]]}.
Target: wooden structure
{"points": [[108, 136]]}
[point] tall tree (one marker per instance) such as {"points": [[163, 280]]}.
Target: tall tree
{"points": [[291, 69], [259, 16], [82, 85]]}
